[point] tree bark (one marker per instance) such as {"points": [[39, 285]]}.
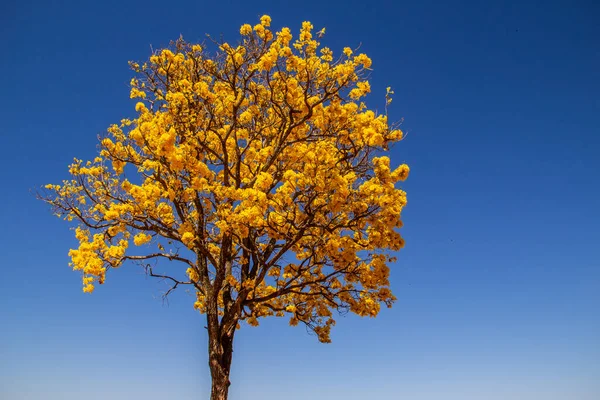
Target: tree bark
{"points": [[220, 352]]}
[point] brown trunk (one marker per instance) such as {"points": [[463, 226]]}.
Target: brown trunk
{"points": [[220, 352]]}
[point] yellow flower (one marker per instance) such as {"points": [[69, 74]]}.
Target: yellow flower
{"points": [[401, 173], [265, 20], [364, 60], [141, 238], [136, 93], [188, 238], [88, 288], [246, 29], [260, 30]]}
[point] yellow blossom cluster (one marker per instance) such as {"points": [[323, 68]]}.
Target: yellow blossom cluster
{"points": [[259, 168]]}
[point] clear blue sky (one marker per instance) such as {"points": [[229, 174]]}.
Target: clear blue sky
{"points": [[499, 284]]}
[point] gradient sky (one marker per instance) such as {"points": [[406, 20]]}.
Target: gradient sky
{"points": [[499, 284]]}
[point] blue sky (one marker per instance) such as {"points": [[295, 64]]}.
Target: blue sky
{"points": [[499, 284]]}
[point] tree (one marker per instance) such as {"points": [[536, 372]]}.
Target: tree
{"points": [[258, 172]]}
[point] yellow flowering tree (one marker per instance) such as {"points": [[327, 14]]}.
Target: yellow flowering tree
{"points": [[258, 173]]}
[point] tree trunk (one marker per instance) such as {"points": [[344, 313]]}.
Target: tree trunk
{"points": [[220, 352]]}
